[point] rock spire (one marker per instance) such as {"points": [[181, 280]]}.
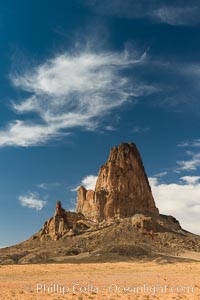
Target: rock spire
{"points": [[122, 188]]}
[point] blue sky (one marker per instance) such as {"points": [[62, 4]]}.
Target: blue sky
{"points": [[78, 77]]}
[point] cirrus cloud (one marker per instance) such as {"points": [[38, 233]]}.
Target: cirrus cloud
{"points": [[71, 90], [176, 13]]}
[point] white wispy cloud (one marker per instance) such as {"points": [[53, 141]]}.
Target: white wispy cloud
{"points": [[161, 174], [180, 201], [193, 143], [190, 164], [21, 133], [177, 13], [173, 95], [140, 129], [71, 90], [110, 128], [183, 144], [192, 161], [88, 182], [42, 185], [31, 200], [50, 185]]}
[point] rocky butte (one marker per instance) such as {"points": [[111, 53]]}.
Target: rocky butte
{"points": [[118, 219], [122, 190], [122, 187]]}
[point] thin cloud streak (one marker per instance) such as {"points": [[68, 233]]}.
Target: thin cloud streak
{"points": [[193, 143], [161, 174], [140, 129], [50, 185], [176, 14]]}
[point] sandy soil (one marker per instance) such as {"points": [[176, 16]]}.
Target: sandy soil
{"points": [[134, 280]]}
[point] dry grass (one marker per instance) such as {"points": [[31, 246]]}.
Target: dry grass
{"points": [[18, 282]]}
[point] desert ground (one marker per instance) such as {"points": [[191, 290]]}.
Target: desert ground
{"points": [[118, 280]]}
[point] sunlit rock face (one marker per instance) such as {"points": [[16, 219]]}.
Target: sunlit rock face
{"points": [[122, 188], [63, 223]]}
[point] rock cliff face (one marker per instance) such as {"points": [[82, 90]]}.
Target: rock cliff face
{"points": [[62, 224], [122, 188]]}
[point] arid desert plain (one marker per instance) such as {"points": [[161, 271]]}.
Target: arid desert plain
{"points": [[118, 280]]}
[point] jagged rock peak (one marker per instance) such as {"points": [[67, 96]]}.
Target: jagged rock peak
{"points": [[62, 224], [122, 188], [59, 210]]}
